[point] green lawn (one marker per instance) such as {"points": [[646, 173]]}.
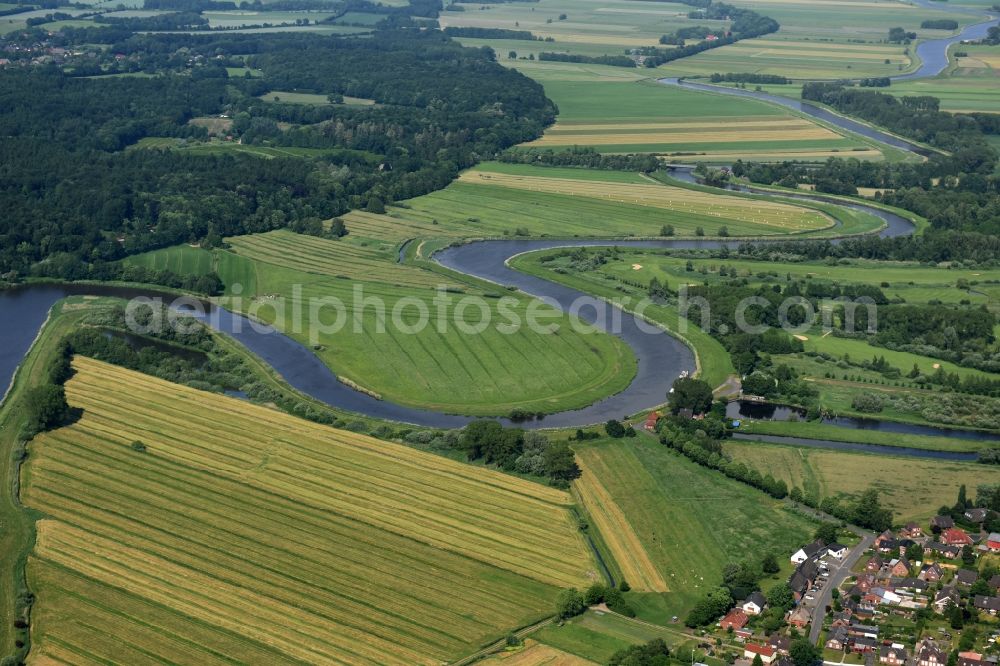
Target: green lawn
{"points": [[689, 519]]}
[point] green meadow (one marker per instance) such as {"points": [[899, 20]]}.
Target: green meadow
{"points": [[831, 473], [690, 521]]}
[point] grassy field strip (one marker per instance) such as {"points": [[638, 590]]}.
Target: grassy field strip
{"points": [[392, 228], [710, 136], [328, 257], [783, 216], [306, 545], [706, 124], [621, 539]]}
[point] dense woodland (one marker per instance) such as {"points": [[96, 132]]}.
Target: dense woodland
{"points": [[76, 193]]}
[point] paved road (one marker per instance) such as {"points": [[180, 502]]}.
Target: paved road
{"points": [[837, 576]]}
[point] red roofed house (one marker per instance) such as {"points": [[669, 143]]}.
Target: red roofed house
{"points": [[954, 536], [993, 542], [766, 652], [736, 619], [651, 421]]}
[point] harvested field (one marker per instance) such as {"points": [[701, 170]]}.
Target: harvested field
{"points": [[244, 534]]}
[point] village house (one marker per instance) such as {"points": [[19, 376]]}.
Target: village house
{"points": [[989, 604], [900, 567], [808, 552], [893, 655], [942, 550], [863, 645], [946, 597], [941, 523], [874, 563], [799, 617], [929, 654], [912, 531], [970, 659], [781, 644], [837, 550], [931, 573], [837, 639], [754, 604], [966, 577], [866, 630], [765, 652], [914, 585], [993, 542], [956, 536], [994, 582], [976, 515], [865, 582], [885, 536], [651, 420], [735, 619], [889, 547]]}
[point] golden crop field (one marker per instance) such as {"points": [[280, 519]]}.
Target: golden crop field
{"points": [[778, 215], [621, 539], [392, 227], [243, 534], [330, 257], [537, 654]]}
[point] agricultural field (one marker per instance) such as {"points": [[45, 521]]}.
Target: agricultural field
{"points": [[825, 473], [597, 28], [618, 110], [536, 654], [224, 541], [971, 83], [335, 258], [912, 282], [689, 521], [595, 636], [824, 39], [502, 199], [489, 371]]}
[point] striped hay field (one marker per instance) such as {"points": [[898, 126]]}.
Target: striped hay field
{"points": [[246, 535], [323, 256], [621, 539], [736, 209]]}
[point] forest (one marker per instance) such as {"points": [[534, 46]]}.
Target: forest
{"points": [[440, 108]]}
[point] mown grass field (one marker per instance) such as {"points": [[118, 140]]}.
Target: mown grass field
{"points": [[915, 283], [484, 358], [592, 27], [913, 488], [337, 258], [689, 520], [620, 110], [971, 83], [820, 430], [508, 200], [596, 637], [287, 97], [244, 534]]}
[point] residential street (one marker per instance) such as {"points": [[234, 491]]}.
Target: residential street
{"points": [[837, 576]]}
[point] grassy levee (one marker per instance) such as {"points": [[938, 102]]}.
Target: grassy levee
{"points": [[714, 363], [814, 430], [18, 533], [826, 472], [244, 534]]}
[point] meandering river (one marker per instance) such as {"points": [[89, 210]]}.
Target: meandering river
{"points": [[661, 357]]}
